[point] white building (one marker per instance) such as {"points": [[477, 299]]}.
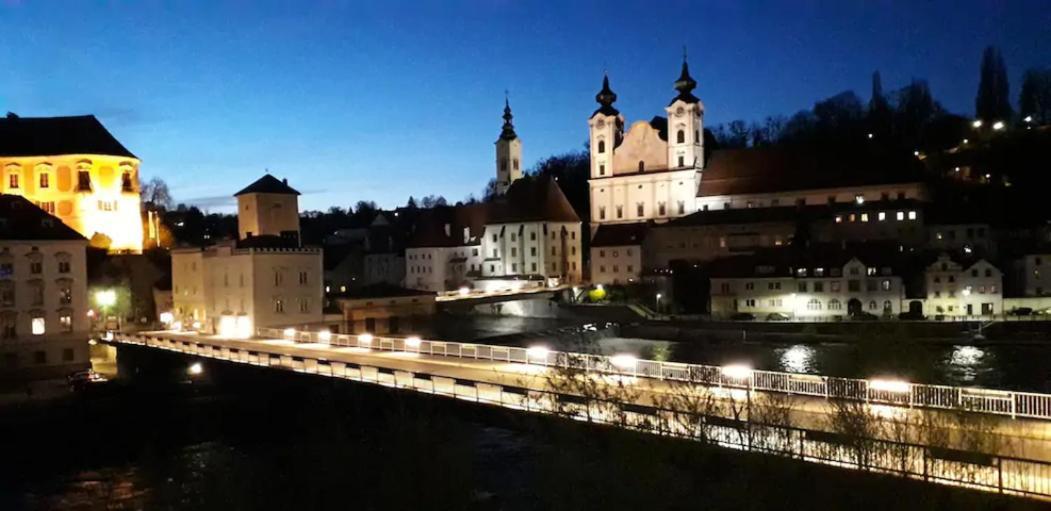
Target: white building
{"points": [[806, 284], [616, 254], [265, 279], [1033, 273], [963, 289], [43, 294], [659, 171]]}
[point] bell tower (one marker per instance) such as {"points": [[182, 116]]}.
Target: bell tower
{"points": [[606, 126], [685, 124], [508, 153]]}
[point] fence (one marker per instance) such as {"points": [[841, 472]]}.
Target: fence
{"points": [[988, 472], [891, 392]]}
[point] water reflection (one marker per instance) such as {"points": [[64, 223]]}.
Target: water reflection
{"points": [[798, 359], [967, 363]]}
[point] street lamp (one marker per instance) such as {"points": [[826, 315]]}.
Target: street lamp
{"points": [[106, 299], [998, 125], [977, 123], [658, 302]]}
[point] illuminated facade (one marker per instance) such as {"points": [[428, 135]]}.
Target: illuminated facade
{"points": [[43, 294], [73, 168], [264, 279], [963, 288]]}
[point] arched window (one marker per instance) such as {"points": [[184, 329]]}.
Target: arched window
{"points": [[601, 146], [642, 166], [814, 304], [834, 305], [887, 306], [872, 305], [125, 182], [680, 137], [43, 172], [696, 135]]}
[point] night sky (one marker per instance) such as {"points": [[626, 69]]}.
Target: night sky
{"points": [[383, 101]]}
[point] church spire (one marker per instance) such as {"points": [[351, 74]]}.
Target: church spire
{"points": [[685, 84], [508, 131], [606, 97]]}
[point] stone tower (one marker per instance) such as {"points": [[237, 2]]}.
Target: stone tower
{"points": [[508, 153]]}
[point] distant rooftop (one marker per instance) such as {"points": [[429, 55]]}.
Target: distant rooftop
{"points": [[55, 136], [268, 184], [23, 220]]}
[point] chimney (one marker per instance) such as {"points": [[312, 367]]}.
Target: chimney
{"points": [[284, 180]]}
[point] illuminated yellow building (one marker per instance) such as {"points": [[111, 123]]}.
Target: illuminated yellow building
{"points": [[73, 168]]}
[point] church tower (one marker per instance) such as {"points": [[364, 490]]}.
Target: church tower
{"points": [[606, 126], [685, 124], [508, 153]]}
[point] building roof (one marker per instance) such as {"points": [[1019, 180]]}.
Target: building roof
{"points": [[23, 220], [779, 262], [268, 184], [685, 85], [443, 226], [53, 136], [508, 130], [532, 199], [780, 169], [605, 98], [619, 235], [785, 214]]}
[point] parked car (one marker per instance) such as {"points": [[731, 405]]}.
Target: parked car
{"points": [[778, 316], [742, 316], [863, 316], [82, 378], [1021, 311]]}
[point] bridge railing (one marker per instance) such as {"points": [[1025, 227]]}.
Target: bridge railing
{"points": [[983, 471], [892, 392]]}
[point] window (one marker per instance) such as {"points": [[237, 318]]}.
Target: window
{"points": [[36, 267], [45, 180], [887, 307], [988, 272], [620, 211], [834, 305], [12, 181], [682, 161], [661, 209], [65, 292], [279, 306], [680, 137], [514, 251], [534, 266], [66, 322], [7, 293], [819, 287], [601, 146], [900, 215], [602, 170], [834, 286], [83, 181], [802, 287], [48, 206], [642, 166], [885, 285], [532, 251], [303, 278], [304, 305], [682, 207], [872, 305], [640, 209], [814, 304], [125, 182], [912, 215], [37, 325], [278, 278]]}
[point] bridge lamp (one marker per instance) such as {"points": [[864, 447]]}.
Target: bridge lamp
{"points": [[624, 361], [413, 342], [290, 333], [895, 386], [977, 123], [324, 336], [998, 125], [537, 353], [106, 298], [736, 371], [167, 318], [177, 326], [195, 369], [464, 291], [365, 338]]}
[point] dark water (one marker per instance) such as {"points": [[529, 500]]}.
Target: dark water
{"points": [[1016, 367]]}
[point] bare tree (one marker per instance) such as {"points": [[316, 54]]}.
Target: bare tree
{"points": [[156, 195]]}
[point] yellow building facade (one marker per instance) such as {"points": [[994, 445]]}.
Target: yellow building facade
{"points": [[74, 169]]}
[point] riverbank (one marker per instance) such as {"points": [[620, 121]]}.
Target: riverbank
{"points": [[250, 438]]}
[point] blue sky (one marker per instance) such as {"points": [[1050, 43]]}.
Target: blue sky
{"points": [[382, 100]]}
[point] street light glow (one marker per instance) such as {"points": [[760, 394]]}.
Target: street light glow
{"points": [[624, 361], [537, 352], [290, 333], [977, 123], [1028, 118], [736, 371], [897, 386], [365, 338], [998, 125], [464, 291], [413, 342], [195, 369], [167, 318], [324, 336], [106, 297]]}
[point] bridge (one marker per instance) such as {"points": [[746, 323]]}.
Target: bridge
{"points": [[985, 439]]}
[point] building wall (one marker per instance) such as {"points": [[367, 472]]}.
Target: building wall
{"points": [[109, 205], [707, 242], [508, 163], [955, 290], [676, 190], [383, 315], [272, 214], [872, 290], [958, 237], [817, 197], [616, 264], [43, 308], [275, 287], [386, 268], [1034, 274], [427, 268]]}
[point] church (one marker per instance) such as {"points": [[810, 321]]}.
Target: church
{"points": [[658, 176]]}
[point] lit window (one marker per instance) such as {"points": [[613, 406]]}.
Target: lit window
{"points": [[882, 216], [38, 326], [864, 217], [900, 215], [912, 215], [839, 219]]}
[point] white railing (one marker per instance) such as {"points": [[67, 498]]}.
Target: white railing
{"points": [[900, 393], [987, 472]]}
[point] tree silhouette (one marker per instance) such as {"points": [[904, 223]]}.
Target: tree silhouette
{"points": [[1035, 98], [992, 104]]}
